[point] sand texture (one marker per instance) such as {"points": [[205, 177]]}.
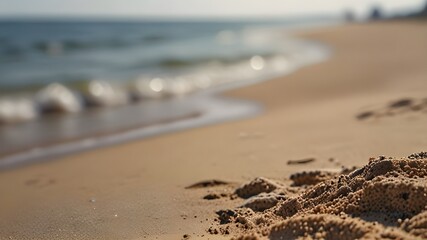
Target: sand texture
{"points": [[385, 199], [367, 100]]}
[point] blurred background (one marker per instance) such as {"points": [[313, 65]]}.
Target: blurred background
{"points": [[76, 70]]}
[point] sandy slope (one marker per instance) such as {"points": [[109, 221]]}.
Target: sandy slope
{"points": [[136, 190]]}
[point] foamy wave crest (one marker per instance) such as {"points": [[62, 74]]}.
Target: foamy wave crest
{"points": [[212, 75]]}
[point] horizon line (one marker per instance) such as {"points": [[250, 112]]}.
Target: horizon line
{"points": [[52, 17]]}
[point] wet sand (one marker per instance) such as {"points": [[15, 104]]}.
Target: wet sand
{"points": [[138, 190]]}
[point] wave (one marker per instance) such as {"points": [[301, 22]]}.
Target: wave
{"points": [[79, 95], [155, 38], [10, 52], [174, 63]]}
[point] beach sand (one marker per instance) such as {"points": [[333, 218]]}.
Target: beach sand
{"points": [[368, 99]]}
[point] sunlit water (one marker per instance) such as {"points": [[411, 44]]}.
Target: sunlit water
{"points": [[132, 80]]}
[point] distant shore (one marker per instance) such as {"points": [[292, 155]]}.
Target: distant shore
{"points": [[137, 190]]}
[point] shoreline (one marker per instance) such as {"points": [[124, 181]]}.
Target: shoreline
{"points": [[208, 113], [216, 110], [23, 156], [138, 189]]}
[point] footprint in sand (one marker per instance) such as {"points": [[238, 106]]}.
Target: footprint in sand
{"points": [[395, 108], [40, 181], [207, 183], [210, 184]]}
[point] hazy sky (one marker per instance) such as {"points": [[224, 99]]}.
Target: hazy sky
{"points": [[194, 8]]}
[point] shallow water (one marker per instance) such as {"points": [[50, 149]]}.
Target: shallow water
{"points": [[38, 141]]}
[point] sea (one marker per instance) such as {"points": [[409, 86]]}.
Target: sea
{"points": [[167, 73]]}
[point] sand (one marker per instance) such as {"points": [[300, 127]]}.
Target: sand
{"points": [[138, 190], [385, 199]]}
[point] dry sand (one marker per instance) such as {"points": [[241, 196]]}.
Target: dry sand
{"points": [[340, 112]]}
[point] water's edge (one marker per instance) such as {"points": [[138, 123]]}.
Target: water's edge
{"points": [[218, 110], [213, 109]]}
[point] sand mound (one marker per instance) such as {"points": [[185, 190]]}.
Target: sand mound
{"points": [[385, 199], [255, 187], [326, 226], [311, 178], [263, 201]]}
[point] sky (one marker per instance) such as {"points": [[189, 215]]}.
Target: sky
{"points": [[195, 8]]}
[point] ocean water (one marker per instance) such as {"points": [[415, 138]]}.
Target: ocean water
{"points": [[175, 66], [33, 54], [36, 53]]}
